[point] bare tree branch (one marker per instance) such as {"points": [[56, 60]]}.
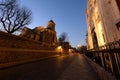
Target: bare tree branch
{"points": [[12, 16]]}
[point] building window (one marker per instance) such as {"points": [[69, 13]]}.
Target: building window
{"points": [[103, 37], [118, 25], [53, 38], [41, 37], [94, 1], [34, 36], [118, 3]]}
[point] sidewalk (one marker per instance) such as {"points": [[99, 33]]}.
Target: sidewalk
{"points": [[79, 69]]}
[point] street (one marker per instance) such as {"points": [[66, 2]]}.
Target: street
{"points": [[67, 67]]}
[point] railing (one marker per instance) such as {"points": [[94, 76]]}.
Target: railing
{"points": [[108, 56]]}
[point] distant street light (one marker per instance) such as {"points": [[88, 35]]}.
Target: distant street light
{"points": [[78, 46], [60, 49], [70, 50]]}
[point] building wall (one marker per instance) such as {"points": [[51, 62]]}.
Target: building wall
{"points": [[28, 33], [109, 13], [89, 39], [102, 17], [47, 36]]}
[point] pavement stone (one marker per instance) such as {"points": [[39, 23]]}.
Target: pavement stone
{"points": [[79, 69]]}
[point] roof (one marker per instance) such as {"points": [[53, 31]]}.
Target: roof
{"points": [[52, 21]]}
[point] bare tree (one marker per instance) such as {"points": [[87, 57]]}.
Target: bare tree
{"points": [[82, 49], [62, 38], [63, 41], [13, 17], [7, 2]]}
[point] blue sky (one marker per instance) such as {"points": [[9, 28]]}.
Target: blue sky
{"points": [[69, 16]]}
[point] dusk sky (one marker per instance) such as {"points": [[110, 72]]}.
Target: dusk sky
{"points": [[69, 16]]}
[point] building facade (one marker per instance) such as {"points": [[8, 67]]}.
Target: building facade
{"points": [[47, 36], [103, 22]]}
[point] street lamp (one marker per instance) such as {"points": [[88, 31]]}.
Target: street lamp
{"points": [[60, 49], [78, 46]]}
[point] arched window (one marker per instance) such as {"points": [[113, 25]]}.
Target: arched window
{"points": [[53, 37], [41, 37]]}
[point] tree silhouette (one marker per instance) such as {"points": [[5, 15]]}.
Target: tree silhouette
{"points": [[62, 38], [12, 16], [63, 41], [82, 49]]}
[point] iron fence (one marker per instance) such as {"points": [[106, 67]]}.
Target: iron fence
{"points": [[107, 56]]}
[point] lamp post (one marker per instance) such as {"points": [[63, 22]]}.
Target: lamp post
{"points": [[60, 49]]}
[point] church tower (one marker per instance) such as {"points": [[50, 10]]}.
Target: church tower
{"points": [[51, 25]]}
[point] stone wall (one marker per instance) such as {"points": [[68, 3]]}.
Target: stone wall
{"points": [[12, 41], [7, 55], [17, 50]]}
